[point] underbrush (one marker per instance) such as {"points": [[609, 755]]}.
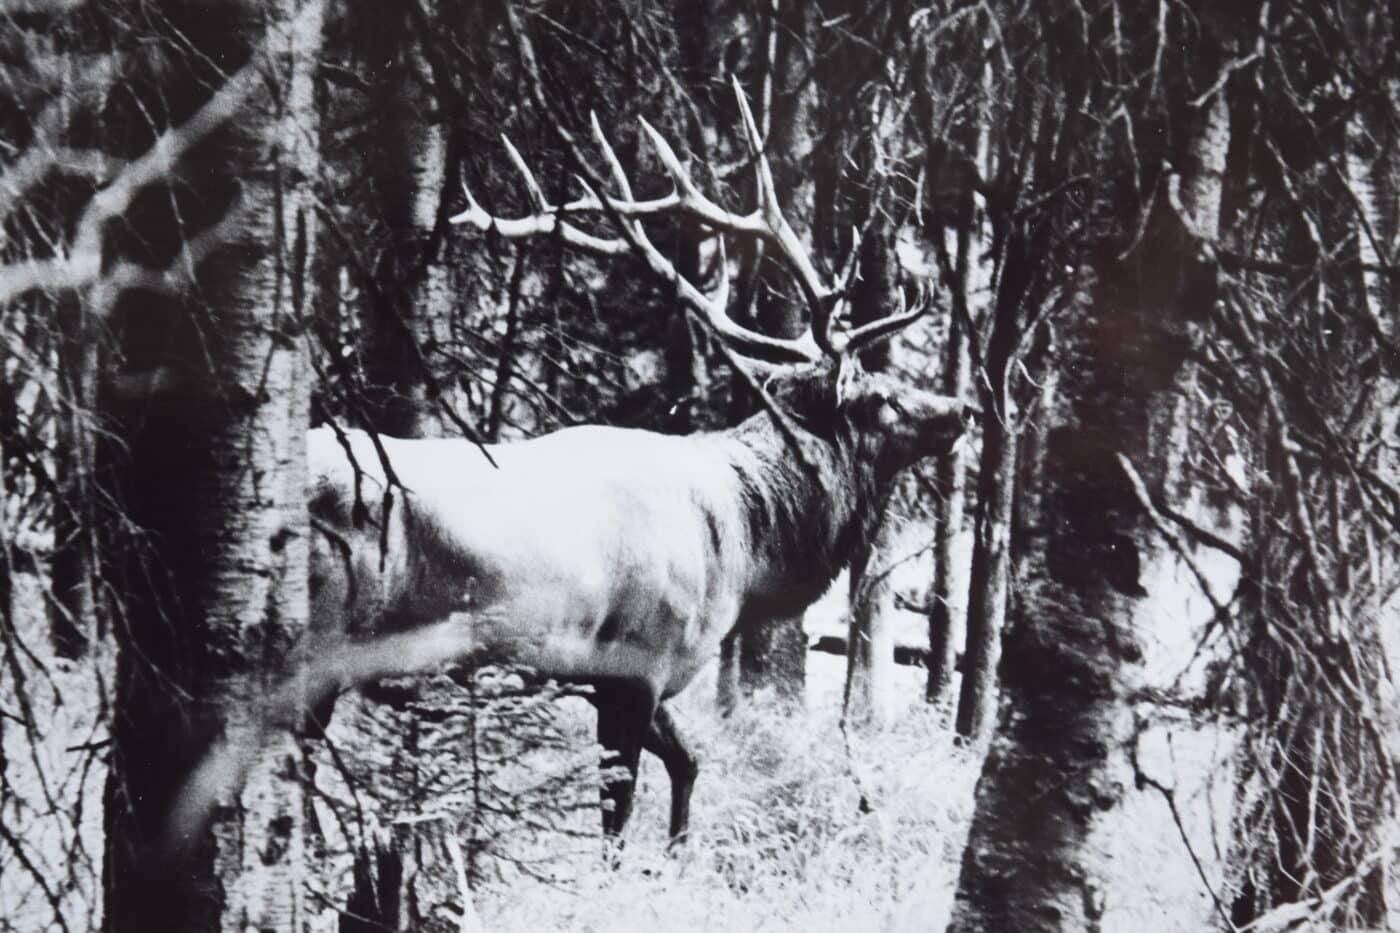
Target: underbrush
{"points": [[793, 826]]}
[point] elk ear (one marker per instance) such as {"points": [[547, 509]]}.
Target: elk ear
{"points": [[849, 374]]}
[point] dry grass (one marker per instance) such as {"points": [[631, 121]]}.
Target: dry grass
{"points": [[779, 840]]}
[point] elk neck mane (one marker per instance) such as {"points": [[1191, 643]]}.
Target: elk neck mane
{"points": [[807, 512]]}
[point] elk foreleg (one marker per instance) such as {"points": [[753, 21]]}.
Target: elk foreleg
{"points": [[665, 741], [625, 714]]}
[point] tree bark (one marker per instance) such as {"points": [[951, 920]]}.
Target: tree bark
{"points": [[403, 170], [1058, 767], [992, 282], [973, 263], [869, 697], [870, 657], [73, 567], [210, 467], [989, 580], [948, 595]]}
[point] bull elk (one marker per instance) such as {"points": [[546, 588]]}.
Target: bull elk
{"points": [[622, 557]]}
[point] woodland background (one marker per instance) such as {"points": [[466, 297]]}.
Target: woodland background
{"points": [[1153, 601]]}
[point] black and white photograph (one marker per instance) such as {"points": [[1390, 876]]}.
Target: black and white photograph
{"points": [[624, 466]]}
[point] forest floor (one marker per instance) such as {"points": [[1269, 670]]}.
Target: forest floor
{"points": [[779, 838], [780, 842]]}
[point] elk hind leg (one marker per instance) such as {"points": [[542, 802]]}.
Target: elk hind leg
{"points": [[625, 714], [665, 741]]}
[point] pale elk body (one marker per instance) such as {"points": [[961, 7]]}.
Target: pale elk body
{"points": [[593, 550], [618, 557]]}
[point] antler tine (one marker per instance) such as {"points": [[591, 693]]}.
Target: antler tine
{"points": [[742, 341], [543, 222], [721, 299], [614, 164], [474, 214], [818, 296], [679, 176], [714, 309], [870, 333], [767, 191], [590, 200], [693, 202], [532, 187]]}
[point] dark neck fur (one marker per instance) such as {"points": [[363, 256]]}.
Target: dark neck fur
{"points": [[806, 514]]}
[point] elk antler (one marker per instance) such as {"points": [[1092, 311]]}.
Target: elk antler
{"points": [[766, 223]]}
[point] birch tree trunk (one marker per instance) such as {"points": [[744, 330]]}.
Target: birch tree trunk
{"points": [[211, 468], [869, 693], [948, 595], [989, 577], [870, 638], [972, 286], [1057, 771], [73, 567], [1373, 175], [404, 167]]}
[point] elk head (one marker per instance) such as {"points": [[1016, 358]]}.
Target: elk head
{"points": [[885, 421]]}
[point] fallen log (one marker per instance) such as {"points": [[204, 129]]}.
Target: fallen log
{"points": [[908, 655]]}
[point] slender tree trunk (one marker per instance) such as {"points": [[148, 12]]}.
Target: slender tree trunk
{"points": [[211, 468], [948, 595], [73, 612], [1373, 175], [507, 361], [687, 379], [870, 640], [972, 285], [431, 301], [989, 581], [7, 563], [1377, 189], [869, 693], [1058, 766], [988, 577], [404, 167]]}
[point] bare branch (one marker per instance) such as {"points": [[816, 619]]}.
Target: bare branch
{"points": [[179, 276], [1222, 611], [91, 81], [82, 264]]}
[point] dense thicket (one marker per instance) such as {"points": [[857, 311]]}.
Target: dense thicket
{"points": [[1161, 243]]}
